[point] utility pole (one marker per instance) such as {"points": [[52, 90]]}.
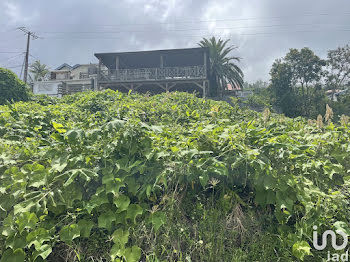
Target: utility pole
{"points": [[29, 34]]}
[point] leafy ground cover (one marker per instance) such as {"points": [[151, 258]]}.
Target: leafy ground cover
{"points": [[106, 176]]}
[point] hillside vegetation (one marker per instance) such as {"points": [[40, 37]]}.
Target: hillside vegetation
{"points": [[107, 176]]}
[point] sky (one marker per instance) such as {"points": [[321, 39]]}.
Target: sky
{"points": [[262, 30]]}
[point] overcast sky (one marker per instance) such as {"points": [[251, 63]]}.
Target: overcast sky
{"points": [[263, 30]]}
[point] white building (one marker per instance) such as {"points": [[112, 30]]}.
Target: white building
{"points": [[68, 79]]}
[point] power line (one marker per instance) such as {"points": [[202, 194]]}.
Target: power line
{"points": [[10, 58], [16, 66], [175, 30], [196, 36], [9, 52], [216, 20]]}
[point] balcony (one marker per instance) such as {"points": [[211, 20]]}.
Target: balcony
{"points": [[83, 75], [153, 74]]}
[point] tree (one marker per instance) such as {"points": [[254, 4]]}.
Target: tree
{"points": [[307, 71], [11, 87], [282, 88], [259, 84], [338, 65], [223, 69], [302, 72], [39, 71]]}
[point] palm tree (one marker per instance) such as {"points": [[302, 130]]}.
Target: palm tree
{"points": [[38, 70], [223, 70]]}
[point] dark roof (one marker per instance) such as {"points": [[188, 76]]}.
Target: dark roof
{"points": [[163, 51], [151, 58], [63, 65], [75, 66]]}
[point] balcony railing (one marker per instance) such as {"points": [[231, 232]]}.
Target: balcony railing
{"points": [[83, 75], [153, 74]]}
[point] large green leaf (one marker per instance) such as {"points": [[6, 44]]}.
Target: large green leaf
{"points": [[69, 232], [122, 202], [85, 227], [26, 221], [43, 252], [301, 249], [132, 254], [120, 236], [157, 219], [133, 211], [106, 219], [13, 256]]}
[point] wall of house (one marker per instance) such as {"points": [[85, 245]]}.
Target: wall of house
{"points": [[80, 69], [75, 73], [62, 75], [46, 87]]}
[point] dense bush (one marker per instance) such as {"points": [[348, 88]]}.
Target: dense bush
{"points": [[106, 176], [11, 88]]}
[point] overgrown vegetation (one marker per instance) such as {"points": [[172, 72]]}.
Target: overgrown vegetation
{"points": [[107, 176]]}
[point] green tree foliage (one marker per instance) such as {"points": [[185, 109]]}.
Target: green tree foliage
{"points": [[295, 80], [338, 63], [11, 88], [257, 85], [105, 176], [38, 70], [341, 106], [223, 69], [282, 88]]}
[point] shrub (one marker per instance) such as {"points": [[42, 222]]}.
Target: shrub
{"points": [[11, 87]]}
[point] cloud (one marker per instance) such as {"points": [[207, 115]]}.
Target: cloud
{"points": [[263, 30]]}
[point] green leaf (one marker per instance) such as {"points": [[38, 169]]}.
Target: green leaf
{"points": [[85, 227], [148, 191], [122, 202], [203, 179], [117, 250], [69, 232], [106, 219], [132, 254], [157, 219], [13, 256], [37, 238], [59, 163], [16, 241], [133, 211], [96, 200], [301, 249], [8, 226], [26, 206], [26, 221], [342, 226], [269, 182], [74, 136], [113, 186], [58, 127], [43, 252], [73, 174], [132, 185], [120, 236], [36, 173], [72, 193], [115, 124]]}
